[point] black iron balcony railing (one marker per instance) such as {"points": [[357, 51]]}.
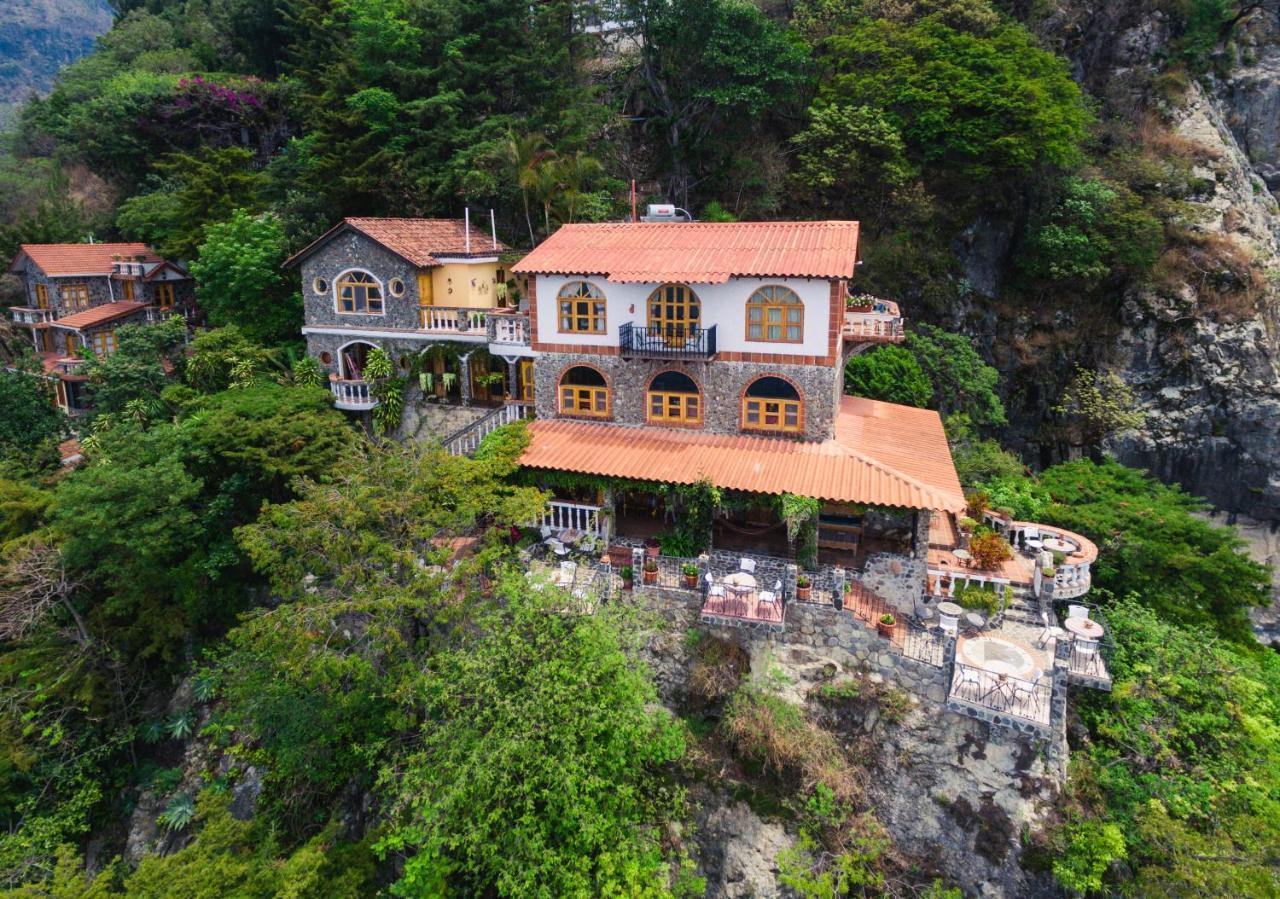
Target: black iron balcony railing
{"points": [[668, 341]]}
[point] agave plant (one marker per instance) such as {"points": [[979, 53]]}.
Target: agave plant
{"points": [[307, 372], [152, 731], [204, 686], [378, 365], [180, 812]]}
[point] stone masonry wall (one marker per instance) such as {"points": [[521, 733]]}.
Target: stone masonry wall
{"points": [[353, 250], [721, 383]]}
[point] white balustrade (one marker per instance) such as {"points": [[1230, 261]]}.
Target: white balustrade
{"points": [[873, 326], [353, 395], [562, 516], [510, 329], [26, 315], [453, 320], [465, 442]]}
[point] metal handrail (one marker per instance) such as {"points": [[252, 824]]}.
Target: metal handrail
{"points": [[668, 341]]}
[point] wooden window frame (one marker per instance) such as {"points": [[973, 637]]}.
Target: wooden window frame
{"points": [[126, 291], [573, 397], [74, 297], [103, 343], [165, 296], [346, 279], [765, 300], [42, 296], [572, 309], [675, 330], [674, 407], [761, 405], [525, 373]]}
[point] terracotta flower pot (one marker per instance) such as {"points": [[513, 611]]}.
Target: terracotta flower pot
{"points": [[802, 593], [884, 630], [651, 577], [691, 582]]}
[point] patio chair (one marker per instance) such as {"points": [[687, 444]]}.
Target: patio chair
{"points": [[1050, 632], [967, 677], [558, 548], [771, 595], [949, 624], [747, 565], [714, 589], [546, 531], [1077, 611]]}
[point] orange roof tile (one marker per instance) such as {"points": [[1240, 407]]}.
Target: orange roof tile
{"points": [[99, 315], [849, 468], [417, 241], [66, 259], [705, 252]]}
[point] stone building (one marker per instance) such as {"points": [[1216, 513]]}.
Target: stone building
{"points": [[78, 294]]}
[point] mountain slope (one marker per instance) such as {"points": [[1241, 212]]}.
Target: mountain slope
{"points": [[38, 37]]}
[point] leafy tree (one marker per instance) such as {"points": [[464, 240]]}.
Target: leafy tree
{"points": [[224, 356], [540, 768], [710, 70], [1097, 230], [201, 190], [129, 382], [971, 103], [889, 373], [1151, 544], [241, 281], [962, 382], [1096, 405], [1183, 760], [29, 420], [982, 462]]}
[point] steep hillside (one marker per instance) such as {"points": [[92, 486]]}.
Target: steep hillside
{"points": [[38, 37]]}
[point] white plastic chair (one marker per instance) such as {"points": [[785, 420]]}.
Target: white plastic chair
{"points": [[747, 565], [546, 531], [558, 548], [771, 595], [714, 589], [1077, 611], [1050, 632]]}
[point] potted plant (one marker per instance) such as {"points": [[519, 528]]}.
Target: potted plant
{"points": [[628, 575], [1049, 572], [652, 547], [1005, 514], [690, 572], [651, 571], [803, 588], [860, 303], [885, 625]]}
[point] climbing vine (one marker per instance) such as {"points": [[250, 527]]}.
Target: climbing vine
{"points": [[800, 514]]}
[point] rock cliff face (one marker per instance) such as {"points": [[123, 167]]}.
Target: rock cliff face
{"points": [[38, 37]]}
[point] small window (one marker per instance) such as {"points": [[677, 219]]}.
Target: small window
{"points": [[581, 308], [359, 293], [772, 404], [104, 342], [396, 287], [583, 391], [673, 398], [775, 314], [126, 290], [320, 285], [326, 357], [164, 296], [42, 296], [74, 296]]}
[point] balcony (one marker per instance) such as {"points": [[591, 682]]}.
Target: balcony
{"points": [[29, 316], [470, 324], [353, 396], [667, 341], [508, 330], [880, 323]]}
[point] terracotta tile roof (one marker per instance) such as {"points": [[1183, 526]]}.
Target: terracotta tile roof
{"points": [[417, 241], [63, 259], [99, 315], [700, 252], [850, 468]]}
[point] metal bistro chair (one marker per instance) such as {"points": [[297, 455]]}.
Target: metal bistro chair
{"points": [[1050, 632], [714, 589], [1077, 611], [771, 595], [967, 677], [747, 565]]}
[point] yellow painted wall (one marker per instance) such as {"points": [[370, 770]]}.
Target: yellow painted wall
{"points": [[472, 285]]}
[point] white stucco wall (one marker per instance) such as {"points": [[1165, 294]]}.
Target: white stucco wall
{"points": [[723, 305]]}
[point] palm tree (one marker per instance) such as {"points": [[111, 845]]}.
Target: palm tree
{"points": [[527, 155], [573, 176]]}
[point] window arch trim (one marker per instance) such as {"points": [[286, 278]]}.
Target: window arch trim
{"points": [[583, 400], [581, 308], [673, 408], [674, 312], [777, 415], [368, 299], [775, 314]]}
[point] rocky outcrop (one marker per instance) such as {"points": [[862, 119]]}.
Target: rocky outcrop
{"points": [[1210, 381]]}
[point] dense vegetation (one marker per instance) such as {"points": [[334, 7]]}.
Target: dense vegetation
{"points": [[237, 572]]}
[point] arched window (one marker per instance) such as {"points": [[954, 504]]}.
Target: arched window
{"points": [[359, 292], [583, 391], [772, 404], [673, 398], [675, 313], [775, 314], [581, 308]]}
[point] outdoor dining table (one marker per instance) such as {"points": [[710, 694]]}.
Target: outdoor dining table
{"points": [[570, 535], [1088, 630], [963, 555], [740, 583], [1054, 545]]}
